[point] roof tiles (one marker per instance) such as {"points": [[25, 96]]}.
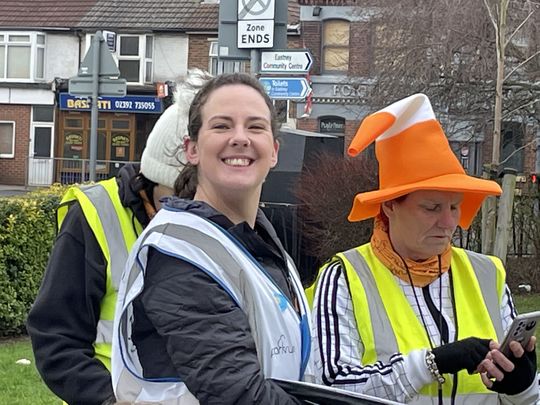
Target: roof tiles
{"points": [[126, 15]]}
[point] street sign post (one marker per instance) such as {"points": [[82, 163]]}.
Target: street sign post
{"points": [[94, 80], [286, 61], [286, 88]]}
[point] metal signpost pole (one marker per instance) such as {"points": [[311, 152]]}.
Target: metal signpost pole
{"points": [[255, 62], [95, 79], [96, 40]]}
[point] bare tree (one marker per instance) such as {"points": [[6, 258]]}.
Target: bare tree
{"points": [[477, 60], [448, 49], [498, 11]]}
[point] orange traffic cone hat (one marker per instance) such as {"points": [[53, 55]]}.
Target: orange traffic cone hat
{"points": [[414, 154]]}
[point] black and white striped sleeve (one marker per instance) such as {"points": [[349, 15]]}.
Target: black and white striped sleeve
{"points": [[338, 348], [508, 310]]}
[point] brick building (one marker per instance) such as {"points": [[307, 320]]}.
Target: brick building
{"points": [[44, 131]]}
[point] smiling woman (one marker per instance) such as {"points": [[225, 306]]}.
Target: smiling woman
{"points": [[233, 150], [214, 307]]}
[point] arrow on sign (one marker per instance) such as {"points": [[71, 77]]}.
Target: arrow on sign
{"points": [[286, 88], [292, 61]]}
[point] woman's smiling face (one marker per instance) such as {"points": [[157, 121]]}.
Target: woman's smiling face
{"points": [[235, 147]]}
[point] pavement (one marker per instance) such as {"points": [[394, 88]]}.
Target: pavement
{"points": [[8, 190]]}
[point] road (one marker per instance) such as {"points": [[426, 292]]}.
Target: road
{"points": [[8, 190]]}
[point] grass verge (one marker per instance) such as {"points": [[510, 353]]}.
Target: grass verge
{"points": [[21, 385]]}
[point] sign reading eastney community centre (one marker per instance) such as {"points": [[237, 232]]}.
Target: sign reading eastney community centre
{"points": [[287, 61], [255, 23]]}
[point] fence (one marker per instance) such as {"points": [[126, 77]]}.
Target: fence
{"points": [[45, 171], [524, 240]]}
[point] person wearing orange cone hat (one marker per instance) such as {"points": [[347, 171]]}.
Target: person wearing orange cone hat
{"points": [[407, 316]]}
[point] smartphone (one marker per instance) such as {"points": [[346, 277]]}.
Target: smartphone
{"points": [[521, 330]]}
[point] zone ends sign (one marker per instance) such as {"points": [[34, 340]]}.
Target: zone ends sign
{"points": [[255, 34]]}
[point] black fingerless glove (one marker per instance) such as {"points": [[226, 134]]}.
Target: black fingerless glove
{"points": [[519, 379], [463, 354]]}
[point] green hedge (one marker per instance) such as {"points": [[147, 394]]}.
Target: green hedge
{"points": [[27, 231]]}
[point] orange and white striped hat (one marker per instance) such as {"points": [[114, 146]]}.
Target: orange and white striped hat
{"points": [[414, 154]]}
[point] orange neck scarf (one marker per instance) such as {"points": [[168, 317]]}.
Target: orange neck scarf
{"points": [[422, 273]]}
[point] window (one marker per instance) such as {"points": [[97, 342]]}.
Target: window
{"points": [[42, 142], [7, 139], [217, 66], [42, 130], [512, 152], [335, 46], [149, 54], [22, 56], [135, 55], [43, 113]]}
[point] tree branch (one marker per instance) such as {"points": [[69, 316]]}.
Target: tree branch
{"points": [[519, 108], [521, 64], [517, 150], [518, 28], [492, 18]]}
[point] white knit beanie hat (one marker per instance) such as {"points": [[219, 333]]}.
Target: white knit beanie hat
{"points": [[163, 157]]}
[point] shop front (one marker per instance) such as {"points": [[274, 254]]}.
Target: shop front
{"points": [[123, 126]]}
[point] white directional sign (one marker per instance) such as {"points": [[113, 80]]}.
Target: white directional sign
{"points": [[291, 61]]}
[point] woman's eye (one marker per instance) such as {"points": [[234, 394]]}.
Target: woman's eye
{"points": [[220, 126]]}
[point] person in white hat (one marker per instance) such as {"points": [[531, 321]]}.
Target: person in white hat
{"points": [[407, 316], [70, 323]]}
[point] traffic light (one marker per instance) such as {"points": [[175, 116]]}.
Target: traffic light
{"points": [[535, 183]]}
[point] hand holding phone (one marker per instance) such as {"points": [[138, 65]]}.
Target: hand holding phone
{"points": [[524, 373], [521, 330]]}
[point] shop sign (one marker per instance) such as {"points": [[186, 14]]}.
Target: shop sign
{"points": [[120, 140], [120, 145], [332, 125], [127, 104], [349, 90]]}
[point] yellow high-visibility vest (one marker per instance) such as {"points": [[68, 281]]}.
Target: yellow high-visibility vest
{"points": [[478, 286], [113, 226]]}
